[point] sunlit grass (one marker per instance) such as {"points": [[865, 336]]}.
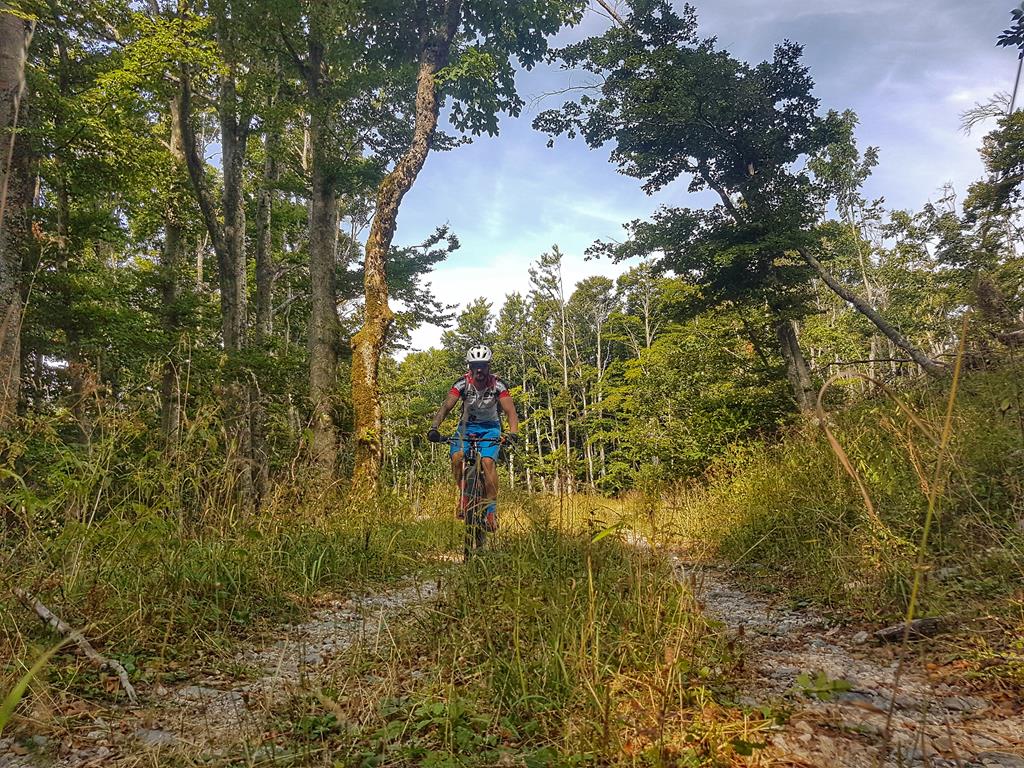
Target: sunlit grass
{"points": [[552, 649], [791, 510]]}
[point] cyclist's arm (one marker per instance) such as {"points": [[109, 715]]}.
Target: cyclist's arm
{"points": [[510, 412], [446, 407]]}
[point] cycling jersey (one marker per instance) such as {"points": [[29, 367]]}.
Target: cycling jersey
{"points": [[481, 405]]}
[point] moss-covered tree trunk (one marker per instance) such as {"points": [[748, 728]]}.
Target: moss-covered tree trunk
{"points": [[368, 344], [15, 36]]}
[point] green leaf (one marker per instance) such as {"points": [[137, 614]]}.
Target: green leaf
{"points": [[11, 700]]}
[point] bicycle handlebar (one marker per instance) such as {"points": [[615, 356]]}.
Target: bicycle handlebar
{"points": [[474, 439]]}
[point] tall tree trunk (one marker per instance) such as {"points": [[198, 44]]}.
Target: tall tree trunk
{"points": [[171, 259], [15, 194], [228, 240], [570, 478], [929, 365], [265, 243], [323, 322], [368, 343], [264, 324], [231, 259], [797, 372]]}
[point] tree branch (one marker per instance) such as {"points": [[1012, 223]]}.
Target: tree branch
{"points": [[197, 170], [929, 365], [705, 174], [613, 13], [59, 626]]}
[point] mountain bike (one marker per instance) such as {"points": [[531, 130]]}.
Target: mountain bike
{"points": [[473, 490]]}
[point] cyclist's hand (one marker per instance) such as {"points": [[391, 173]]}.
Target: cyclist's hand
{"points": [[512, 440], [434, 436]]}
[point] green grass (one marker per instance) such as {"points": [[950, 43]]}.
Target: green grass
{"points": [[790, 510], [551, 650], [159, 593]]}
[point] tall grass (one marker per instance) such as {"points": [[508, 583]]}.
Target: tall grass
{"points": [[552, 649], [153, 554], [790, 508]]}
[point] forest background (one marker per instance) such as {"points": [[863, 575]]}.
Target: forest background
{"points": [[248, 292], [211, 353]]}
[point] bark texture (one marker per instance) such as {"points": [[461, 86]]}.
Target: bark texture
{"points": [[171, 259], [15, 194], [797, 372], [929, 365], [368, 344], [323, 322], [264, 243]]}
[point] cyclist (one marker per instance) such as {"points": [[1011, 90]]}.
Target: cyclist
{"points": [[484, 398]]}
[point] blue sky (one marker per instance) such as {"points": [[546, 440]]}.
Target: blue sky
{"points": [[908, 69]]}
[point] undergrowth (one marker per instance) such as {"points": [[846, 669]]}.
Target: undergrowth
{"points": [[789, 513], [552, 650], [155, 558]]}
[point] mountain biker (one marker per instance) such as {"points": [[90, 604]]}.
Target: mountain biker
{"points": [[484, 398]]}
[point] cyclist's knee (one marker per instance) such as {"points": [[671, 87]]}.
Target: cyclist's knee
{"points": [[457, 458], [488, 463]]}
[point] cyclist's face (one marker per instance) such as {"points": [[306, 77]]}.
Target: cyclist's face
{"points": [[480, 370]]}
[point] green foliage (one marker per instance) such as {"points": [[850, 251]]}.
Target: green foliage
{"points": [[821, 686], [736, 130], [789, 508], [534, 654]]}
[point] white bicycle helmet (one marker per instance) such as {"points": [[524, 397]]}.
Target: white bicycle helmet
{"points": [[478, 354]]}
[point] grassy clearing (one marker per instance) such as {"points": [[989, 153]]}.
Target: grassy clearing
{"points": [[790, 512], [551, 650], [163, 593]]}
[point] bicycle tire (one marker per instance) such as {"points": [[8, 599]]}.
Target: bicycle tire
{"points": [[476, 534]]}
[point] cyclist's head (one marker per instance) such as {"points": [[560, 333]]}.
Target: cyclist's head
{"points": [[478, 358]]}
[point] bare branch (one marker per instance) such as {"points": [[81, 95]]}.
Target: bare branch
{"points": [[61, 627], [610, 10], [994, 108]]}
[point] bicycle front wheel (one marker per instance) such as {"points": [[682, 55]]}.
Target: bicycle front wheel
{"points": [[476, 533]]}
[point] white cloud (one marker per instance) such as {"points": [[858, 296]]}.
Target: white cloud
{"points": [[509, 273], [907, 69]]}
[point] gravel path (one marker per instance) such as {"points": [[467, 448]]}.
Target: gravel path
{"points": [[214, 712], [933, 723]]}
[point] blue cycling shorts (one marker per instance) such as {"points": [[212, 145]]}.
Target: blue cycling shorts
{"points": [[488, 429]]}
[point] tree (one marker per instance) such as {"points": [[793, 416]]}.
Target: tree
{"points": [[15, 193], [237, 81], [480, 77], [547, 294], [589, 309], [474, 325], [674, 105]]}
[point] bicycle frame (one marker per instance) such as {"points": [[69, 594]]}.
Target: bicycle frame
{"points": [[473, 490]]}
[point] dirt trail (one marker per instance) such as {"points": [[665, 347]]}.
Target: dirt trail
{"points": [[214, 713], [213, 716], [933, 723]]}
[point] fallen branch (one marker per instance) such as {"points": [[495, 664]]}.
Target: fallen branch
{"points": [[916, 630], [1012, 338], [59, 626]]}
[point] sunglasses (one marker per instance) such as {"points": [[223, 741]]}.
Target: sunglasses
{"points": [[478, 366]]}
